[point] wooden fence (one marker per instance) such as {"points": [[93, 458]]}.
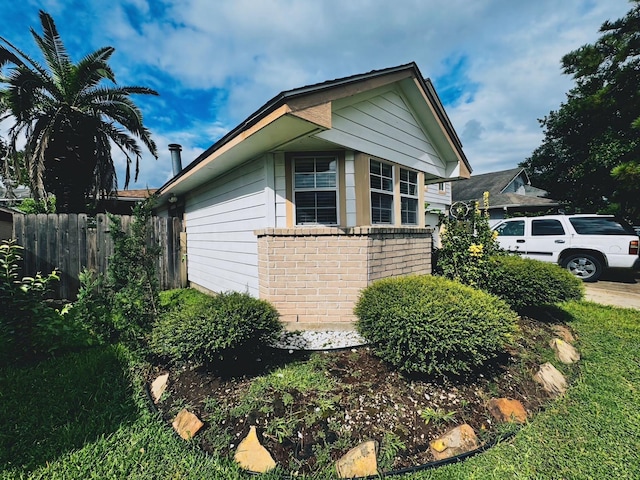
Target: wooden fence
{"points": [[73, 242]]}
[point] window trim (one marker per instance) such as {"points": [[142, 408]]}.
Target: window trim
{"points": [[415, 197], [292, 168], [390, 193]]}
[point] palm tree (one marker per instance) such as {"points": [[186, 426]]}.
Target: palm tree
{"points": [[69, 119]]}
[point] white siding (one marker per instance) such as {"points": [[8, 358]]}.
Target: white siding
{"points": [[384, 126], [437, 199], [350, 188], [280, 190], [220, 219]]}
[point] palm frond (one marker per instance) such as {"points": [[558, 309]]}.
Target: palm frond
{"points": [[52, 48], [93, 68]]}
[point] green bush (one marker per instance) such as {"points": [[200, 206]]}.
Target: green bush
{"points": [[433, 325], [91, 309], [525, 283], [29, 325], [201, 330]]}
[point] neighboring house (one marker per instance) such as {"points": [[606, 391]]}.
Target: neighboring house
{"points": [[510, 193], [437, 198], [124, 201], [6, 222], [318, 193]]}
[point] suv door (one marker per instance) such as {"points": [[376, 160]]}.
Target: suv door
{"points": [[548, 238], [511, 235]]}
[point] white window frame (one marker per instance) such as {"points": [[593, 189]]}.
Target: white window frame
{"points": [[294, 159], [379, 191], [412, 196]]}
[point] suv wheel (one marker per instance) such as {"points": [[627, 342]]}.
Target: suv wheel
{"points": [[583, 266]]}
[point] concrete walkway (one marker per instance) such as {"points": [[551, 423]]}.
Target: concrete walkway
{"points": [[616, 288]]}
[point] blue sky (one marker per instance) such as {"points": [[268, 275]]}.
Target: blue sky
{"points": [[494, 63]]}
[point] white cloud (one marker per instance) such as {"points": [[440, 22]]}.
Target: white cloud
{"points": [[252, 50]]}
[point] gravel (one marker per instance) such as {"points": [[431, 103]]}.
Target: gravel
{"points": [[319, 340]]}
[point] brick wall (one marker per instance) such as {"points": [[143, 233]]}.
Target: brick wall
{"points": [[315, 275]]}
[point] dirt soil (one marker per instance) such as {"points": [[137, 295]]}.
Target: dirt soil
{"points": [[307, 430]]}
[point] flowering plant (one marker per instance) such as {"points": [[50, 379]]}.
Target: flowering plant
{"points": [[467, 244]]}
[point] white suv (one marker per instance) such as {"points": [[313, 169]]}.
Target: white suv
{"points": [[583, 244]]}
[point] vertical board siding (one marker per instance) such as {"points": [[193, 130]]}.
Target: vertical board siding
{"points": [[70, 243], [220, 220]]}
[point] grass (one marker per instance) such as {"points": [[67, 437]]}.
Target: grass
{"points": [[80, 417]]}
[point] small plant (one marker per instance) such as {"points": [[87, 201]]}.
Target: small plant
{"points": [[390, 446], [216, 329], [525, 283], [432, 325], [437, 415]]}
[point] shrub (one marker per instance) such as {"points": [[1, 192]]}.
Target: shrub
{"points": [[131, 284], [92, 310], [432, 325], [525, 283], [29, 325], [216, 328]]}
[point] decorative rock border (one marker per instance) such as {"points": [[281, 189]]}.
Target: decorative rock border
{"points": [[361, 461]]}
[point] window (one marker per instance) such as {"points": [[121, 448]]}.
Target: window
{"points": [[601, 226], [511, 229], [315, 190], [546, 227], [381, 183], [442, 187], [408, 197]]}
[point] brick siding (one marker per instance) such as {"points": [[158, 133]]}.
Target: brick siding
{"points": [[315, 275]]}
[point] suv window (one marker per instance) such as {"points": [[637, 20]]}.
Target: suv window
{"points": [[511, 229], [601, 226], [546, 227]]}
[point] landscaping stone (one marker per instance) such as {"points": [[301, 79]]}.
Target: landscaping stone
{"points": [[459, 440], [360, 461], [551, 379], [252, 456], [187, 424], [564, 333], [565, 352], [507, 410], [158, 387]]}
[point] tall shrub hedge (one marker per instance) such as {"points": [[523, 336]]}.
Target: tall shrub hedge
{"points": [[433, 325]]}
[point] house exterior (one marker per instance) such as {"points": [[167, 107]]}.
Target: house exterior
{"points": [[318, 193], [6, 222], [510, 194]]}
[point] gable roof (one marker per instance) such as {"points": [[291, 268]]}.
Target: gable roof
{"points": [[307, 110], [495, 183]]}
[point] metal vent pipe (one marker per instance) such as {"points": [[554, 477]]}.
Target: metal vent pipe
{"points": [[176, 159]]}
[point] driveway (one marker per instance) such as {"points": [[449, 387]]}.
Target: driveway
{"points": [[617, 288]]}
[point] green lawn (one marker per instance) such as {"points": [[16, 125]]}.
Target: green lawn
{"points": [[79, 417]]}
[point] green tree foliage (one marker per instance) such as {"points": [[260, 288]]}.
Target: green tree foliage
{"points": [[589, 157], [69, 119]]}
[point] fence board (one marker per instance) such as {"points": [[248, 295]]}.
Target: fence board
{"points": [[71, 243]]}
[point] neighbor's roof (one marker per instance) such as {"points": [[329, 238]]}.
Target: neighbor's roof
{"points": [[493, 182], [286, 96]]}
